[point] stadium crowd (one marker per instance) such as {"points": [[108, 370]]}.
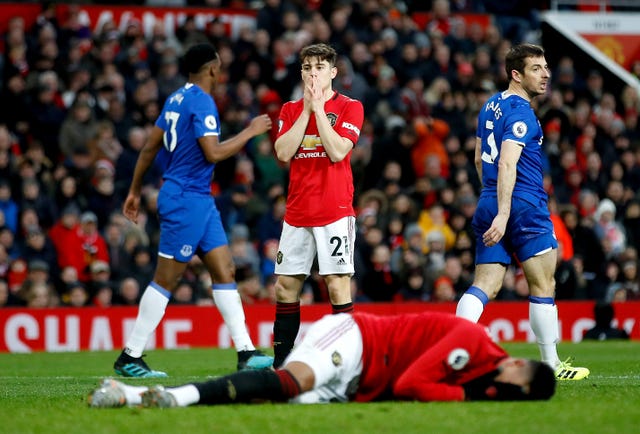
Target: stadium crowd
{"points": [[78, 102]]}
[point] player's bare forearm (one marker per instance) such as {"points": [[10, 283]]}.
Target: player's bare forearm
{"points": [[288, 143], [507, 169], [506, 182], [217, 151]]}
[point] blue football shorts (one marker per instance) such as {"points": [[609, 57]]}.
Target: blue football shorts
{"points": [[189, 223], [529, 231]]}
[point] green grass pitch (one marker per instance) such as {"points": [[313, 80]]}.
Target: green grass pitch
{"points": [[46, 393]]}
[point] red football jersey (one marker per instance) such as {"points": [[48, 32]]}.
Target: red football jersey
{"points": [[425, 356], [321, 192]]}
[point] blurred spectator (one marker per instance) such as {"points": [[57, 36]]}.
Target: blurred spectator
{"points": [[34, 197], [7, 298], [100, 273], [588, 249], [126, 162], [183, 294], [76, 295], [429, 155], [102, 295], [251, 289], [268, 171], [128, 293], [414, 287], [434, 219], [348, 81], [454, 271], [268, 259], [380, 282], [411, 254], [37, 246], [395, 145], [383, 99], [609, 231], [269, 226], [67, 194], [102, 197], [93, 245], [603, 330], [567, 282], [443, 290], [38, 295], [244, 253], [66, 277], [46, 117], [435, 257], [78, 127], [8, 206], [142, 265]]}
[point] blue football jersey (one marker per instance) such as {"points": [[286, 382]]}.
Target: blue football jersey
{"points": [[188, 114], [510, 117]]}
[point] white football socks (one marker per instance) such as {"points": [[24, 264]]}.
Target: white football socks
{"points": [[229, 305], [469, 307], [132, 393], [544, 323], [185, 395], [150, 312]]}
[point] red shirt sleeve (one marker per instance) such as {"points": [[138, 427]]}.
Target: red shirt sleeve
{"points": [[438, 374], [350, 126]]}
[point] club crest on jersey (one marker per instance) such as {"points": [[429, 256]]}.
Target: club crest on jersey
{"points": [[458, 359], [336, 358], [279, 257], [186, 250], [519, 129], [332, 118]]}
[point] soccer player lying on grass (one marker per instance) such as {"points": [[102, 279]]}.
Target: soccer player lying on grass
{"points": [[361, 357]]}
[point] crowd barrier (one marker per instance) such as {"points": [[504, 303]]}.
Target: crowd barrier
{"points": [[93, 329]]}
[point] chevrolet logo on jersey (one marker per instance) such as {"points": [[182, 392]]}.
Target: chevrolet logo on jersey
{"points": [[310, 142]]}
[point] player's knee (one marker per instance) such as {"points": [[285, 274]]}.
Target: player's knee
{"points": [[303, 374], [286, 290]]}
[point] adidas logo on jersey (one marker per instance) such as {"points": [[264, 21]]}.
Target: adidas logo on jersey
{"points": [[341, 261]]}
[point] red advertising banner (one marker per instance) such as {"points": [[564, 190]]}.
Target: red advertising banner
{"points": [[94, 329], [622, 49], [614, 34], [93, 16]]}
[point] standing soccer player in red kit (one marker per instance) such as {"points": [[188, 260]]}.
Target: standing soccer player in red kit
{"points": [[315, 136], [427, 356]]}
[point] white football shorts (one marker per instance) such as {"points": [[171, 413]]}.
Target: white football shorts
{"points": [[332, 243], [332, 347]]}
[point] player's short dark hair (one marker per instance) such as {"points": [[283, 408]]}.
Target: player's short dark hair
{"points": [[321, 51], [516, 56], [543, 381], [197, 56]]}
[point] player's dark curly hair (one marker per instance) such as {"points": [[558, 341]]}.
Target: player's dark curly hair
{"points": [[321, 51], [543, 381], [197, 56], [515, 58]]}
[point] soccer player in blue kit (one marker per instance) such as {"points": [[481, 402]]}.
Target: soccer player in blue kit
{"points": [[512, 217], [187, 131]]}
